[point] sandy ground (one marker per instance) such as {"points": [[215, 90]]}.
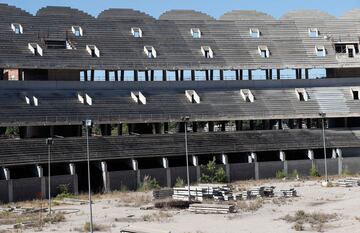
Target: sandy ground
{"points": [[112, 212]]}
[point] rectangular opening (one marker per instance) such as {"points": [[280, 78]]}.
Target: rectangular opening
{"points": [[313, 32], [247, 95], [136, 32], [264, 51], [17, 28], [355, 93], [340, 48], [93, 50], [192, 96], [57, 44], [77, 31], [150, 51], [320, 51], [302, 95], [207, 52], [196, 33], [254, 32]]}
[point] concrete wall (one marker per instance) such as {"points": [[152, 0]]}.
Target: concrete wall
{"points": [[26, 189], [56, 181], [332, 166], [351, 164], [158, 173], [4, 191], [242, 171], [269, 169], [176, 172], [302, 166], [123, 178]]}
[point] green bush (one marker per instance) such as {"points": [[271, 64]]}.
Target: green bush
{"points": [[280, 174], [179, 182], [12, 132], [63, 192], [148, 184], [314, 172], [295, 173], [210, 174]]}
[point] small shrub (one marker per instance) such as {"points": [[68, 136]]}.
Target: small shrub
{"points": [[63, 190], [96, 227], [148, 184], [179, 182], [298, 227], [295, 173], [280, 174], [314, 172], [212, 175], [346, 172]]}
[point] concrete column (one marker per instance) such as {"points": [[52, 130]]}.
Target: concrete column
{"points": [[40, 174], [192, 75], [250, 74], [306, 73], [310, 154], [92, 75], [122, 75], [107, 75], [6, 173], [340, 160], [165, 163], [116, 73], [221, 75], [211, 75], [211, 126], [238, 125], [72, 170], [105, 176], [278, 74], [195, 162], [253, 158], [225, 161], [282, 157], [135, 167]]}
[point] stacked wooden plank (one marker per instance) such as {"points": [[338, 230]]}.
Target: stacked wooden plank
{"points": [[132, 229], [256, 192], [211, 208], [288, 192], [349, 182], [162, 193], [196, 193], [269, 191]]}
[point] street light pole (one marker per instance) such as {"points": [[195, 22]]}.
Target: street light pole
{"points": [[49, 142], [88, 123], [323, 115], [186, 119]]}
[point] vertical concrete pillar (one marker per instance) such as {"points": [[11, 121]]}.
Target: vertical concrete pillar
{"points": [[225, 161], [165, 163], [211, 126], [238, 125], [253, 157], [119, 129], [237, 74], [310, 154], [86, 75], [107, 75], [192, 75], [122, 75], [250, 74], [72, 170], [40, 174], [211, 75], [195, 162], [105, 176], [146, 75], [207, 75], [194, 126], [10, 184], [282, 157], [92, 75], [135, 167], [181, 75], [116, 73], [340, 160], [278, 74], [221, 75], [306, 73]]}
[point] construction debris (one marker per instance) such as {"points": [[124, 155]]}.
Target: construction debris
{"points": [[349, 182], [211, 208], [288, 192], [132, 229], [162, 193]]}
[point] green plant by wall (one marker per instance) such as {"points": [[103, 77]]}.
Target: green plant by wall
{"points": [[280, 174], [12, 132], [210, 174], [314, 172], [295, 173], [179, 182], [148, 184], [63, 192]]}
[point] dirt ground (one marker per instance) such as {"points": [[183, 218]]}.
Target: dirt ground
{"points": [[116, 210]]}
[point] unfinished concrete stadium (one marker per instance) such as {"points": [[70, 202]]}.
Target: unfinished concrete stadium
{"points": [[252, 90]]}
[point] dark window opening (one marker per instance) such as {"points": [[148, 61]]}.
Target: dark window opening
{"points": [[301, 96], [55, 44], [356, 95], [351, 52]]}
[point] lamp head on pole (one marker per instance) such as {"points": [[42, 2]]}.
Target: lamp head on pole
{"points": [[185, 118], [87, 123]]}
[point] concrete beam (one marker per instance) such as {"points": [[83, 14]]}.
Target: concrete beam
{"points": [[135, 165]]}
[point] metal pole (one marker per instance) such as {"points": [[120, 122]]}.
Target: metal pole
{"points": [[323, 133], [187, 160], [89, 184], [49, 176]]}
